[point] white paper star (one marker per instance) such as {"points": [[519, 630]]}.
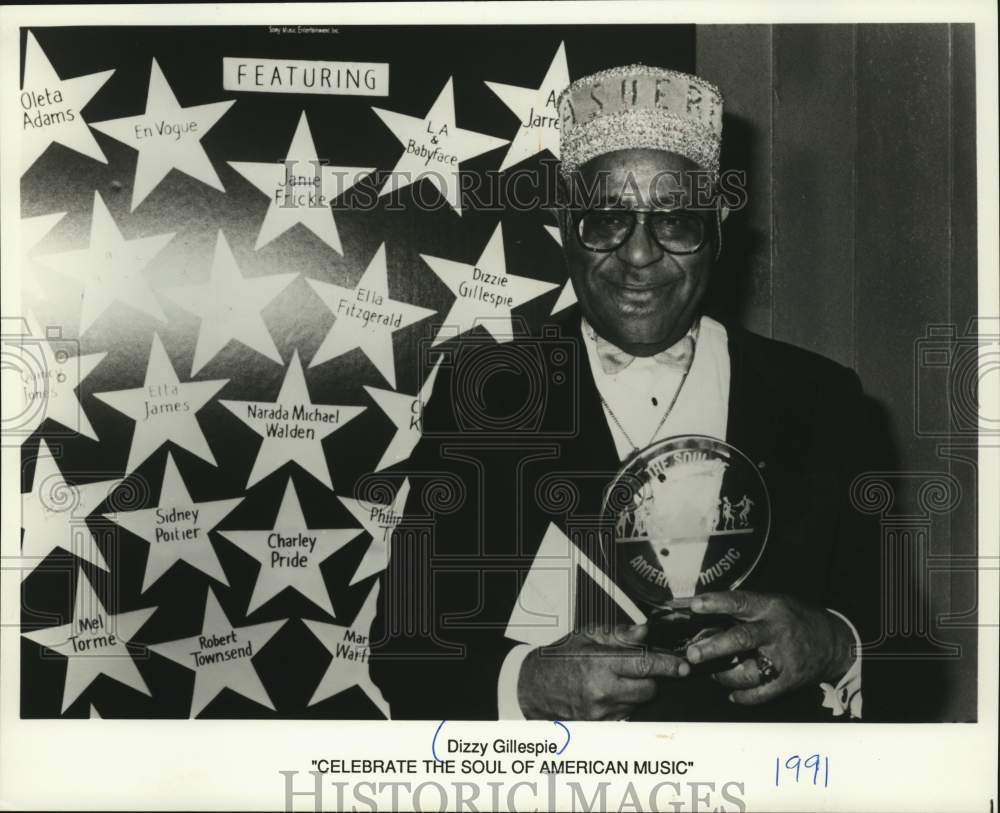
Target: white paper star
{"points": [[94, 643], [485, 292], [290, 554], [33, 229], [434, 148], [536, 109], [567, 296], [53, 514], [164, 409], [293, 427], [379, 520], [49, 378], [221, 656], [177, 529], [366, 317], [295, 194], [110, 268], [350, 651], [406, 412], [167, 137], [545, 610], [49, 109], [229, 305]]}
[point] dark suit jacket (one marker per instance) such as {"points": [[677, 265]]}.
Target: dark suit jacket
{"points": [[515, 438]]}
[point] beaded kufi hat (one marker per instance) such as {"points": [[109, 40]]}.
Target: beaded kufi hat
{"points": [[637, 106]]}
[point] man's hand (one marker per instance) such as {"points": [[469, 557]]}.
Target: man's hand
{"points": [[806, 645], [593, 675]]}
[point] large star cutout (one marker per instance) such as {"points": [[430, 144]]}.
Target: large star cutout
{"points": [[379, 520], [229, 305], [300, 190], [110, 268], [49, 378], [33, 230], [434, 148], [177, 529], [485, 292], [164, 409], [366, 318], [167, 137], [293, 427], [536, 109], [221, 656], [350, 651], [94, 643], [53, 514], [545, 609], [567, 296], [49, 109], [406, 412], [290, 554]]}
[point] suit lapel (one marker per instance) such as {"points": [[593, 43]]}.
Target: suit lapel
{"points": [[751, 426], [586, 465], [591, 448]]}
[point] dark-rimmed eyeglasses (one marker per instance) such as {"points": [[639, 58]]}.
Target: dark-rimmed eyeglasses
{"points": [[678, 231]]}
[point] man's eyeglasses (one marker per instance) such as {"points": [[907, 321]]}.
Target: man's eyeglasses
{"points": [[677, 232]]}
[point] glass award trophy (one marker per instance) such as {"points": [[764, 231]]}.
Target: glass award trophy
{"points": [[686, 515]]}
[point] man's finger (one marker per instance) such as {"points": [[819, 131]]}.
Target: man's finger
{"points": [[733, 641], [632, 634], [741, 604], [633, 692], [744, 675], [622, 635], [614, 712], [758, 694], [651, 663]]}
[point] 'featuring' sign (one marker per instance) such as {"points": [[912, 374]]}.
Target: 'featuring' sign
{"points": [[305, 76]]}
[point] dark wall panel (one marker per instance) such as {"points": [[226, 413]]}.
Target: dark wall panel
{"points": [[903, 217], [738, 59], [963, 455], [859, 240], [903, 269], [813, 188]]}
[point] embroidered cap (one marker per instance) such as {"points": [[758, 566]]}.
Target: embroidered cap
{"points": [[636, 106]]}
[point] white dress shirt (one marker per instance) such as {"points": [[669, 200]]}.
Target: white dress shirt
{"points": [[639, 395]]}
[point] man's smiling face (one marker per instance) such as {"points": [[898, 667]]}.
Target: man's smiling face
{"points": [[638, 296]]}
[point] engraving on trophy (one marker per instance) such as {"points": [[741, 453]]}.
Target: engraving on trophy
{"points": [[690, 514]]}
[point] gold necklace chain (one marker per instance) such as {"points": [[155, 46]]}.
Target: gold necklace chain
{"points": [[659, 426]]}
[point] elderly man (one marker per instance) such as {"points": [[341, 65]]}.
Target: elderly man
{"points": [[498, 600]]}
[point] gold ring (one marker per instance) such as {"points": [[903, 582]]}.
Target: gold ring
{"points": [[768, 671]]}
